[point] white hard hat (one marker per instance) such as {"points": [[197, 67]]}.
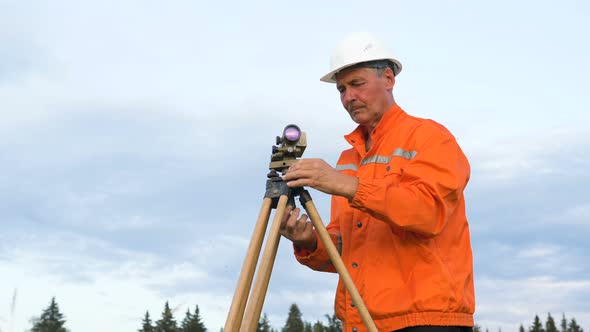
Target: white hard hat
{"points": [[356, 48]]}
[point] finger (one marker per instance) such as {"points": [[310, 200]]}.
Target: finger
{"points": [[291, 174], [307, 164], [292, 221], [293, 215], [294, 170], [286, 216], [288, 209], [306, 175], [293, 166], [301, 223], [303, 219], [299, 183], [302, 165], [307, 228]]}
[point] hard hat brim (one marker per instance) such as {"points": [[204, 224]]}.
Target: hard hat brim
{"points": [[330, 77]]}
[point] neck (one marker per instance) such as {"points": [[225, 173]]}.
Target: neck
{"points": [[369, 127], [368, 142]]}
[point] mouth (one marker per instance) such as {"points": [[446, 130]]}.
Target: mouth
{"points": [[354, 109]]}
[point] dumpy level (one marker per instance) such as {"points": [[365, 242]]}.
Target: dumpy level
{"points": [[288, 148]]}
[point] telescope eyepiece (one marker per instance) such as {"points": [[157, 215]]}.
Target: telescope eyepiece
{"points": [[292, 133]]}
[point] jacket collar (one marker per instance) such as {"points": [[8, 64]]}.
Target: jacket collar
{"points": [[388, 121]]}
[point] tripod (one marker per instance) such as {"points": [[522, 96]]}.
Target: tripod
{"points": [[277, 195]]}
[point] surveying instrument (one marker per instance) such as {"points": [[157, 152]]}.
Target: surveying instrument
{"points": [[288, 148]]}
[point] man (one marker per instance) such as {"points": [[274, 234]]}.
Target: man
{"points": [[398, 210]]}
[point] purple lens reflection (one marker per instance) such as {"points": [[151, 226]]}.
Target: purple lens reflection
{"points": [[292, 134]]}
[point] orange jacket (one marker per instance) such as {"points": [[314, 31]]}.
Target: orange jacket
{"points": [[404, 237]]}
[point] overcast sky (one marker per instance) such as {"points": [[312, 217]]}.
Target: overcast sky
{"points": [[135, 138]]}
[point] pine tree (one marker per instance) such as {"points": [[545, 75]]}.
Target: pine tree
{"points": [[294, 322], [146, 324], [537, 326], [307, 327], [334, 324], [167, 322], [563, 323], [51, 320], [319, 327], [264, 325], [521, 328], [186, 322], [193, 322], [573, 326], [476, 328], [550, 324]]}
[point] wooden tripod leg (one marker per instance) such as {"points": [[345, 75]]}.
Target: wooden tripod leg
{"points": [[236, 311], [256, 300], [338, 264]]}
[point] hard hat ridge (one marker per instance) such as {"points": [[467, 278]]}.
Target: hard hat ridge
{"points": [[358, 49]]}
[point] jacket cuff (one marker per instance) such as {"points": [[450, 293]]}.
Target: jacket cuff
{"points": [[306, 256], [365, 187]]}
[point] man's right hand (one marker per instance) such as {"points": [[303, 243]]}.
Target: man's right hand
{"points": [[299, 231]]}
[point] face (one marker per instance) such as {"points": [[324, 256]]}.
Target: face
{"points": [[365, 94]]}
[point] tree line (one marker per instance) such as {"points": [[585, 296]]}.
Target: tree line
{"points": [[192, 322], [52, 320], [548, 326]]}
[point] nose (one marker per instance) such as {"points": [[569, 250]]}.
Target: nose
{"points": [[347, 97]]}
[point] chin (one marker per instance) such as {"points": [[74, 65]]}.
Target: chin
{"points": [[359, 120]]}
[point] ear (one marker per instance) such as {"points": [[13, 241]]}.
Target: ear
{"points": [[389, 79]]}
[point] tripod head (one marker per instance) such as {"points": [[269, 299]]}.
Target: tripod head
{"points": [[288, 148]]}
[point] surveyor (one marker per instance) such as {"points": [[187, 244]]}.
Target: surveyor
{"points": [[398, 207]]}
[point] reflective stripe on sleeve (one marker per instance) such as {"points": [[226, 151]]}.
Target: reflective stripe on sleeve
{"points": [[345, 167], [377, 159], [399, 152]]}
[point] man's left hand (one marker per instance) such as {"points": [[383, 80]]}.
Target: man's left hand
{"points": [[317, 174]]}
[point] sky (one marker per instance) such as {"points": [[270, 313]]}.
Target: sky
{"points": [[135, 138]]}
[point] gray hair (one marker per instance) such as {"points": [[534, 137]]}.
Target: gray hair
{"points": [[379, 65]]}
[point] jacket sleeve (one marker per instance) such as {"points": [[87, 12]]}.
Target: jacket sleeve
{"points": [[318, 259], [422, 194]]}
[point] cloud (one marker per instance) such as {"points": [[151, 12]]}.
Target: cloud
{"points": [[124, 283], [20, 53], [536, 184], [526, 210], [577, 215], [506, 302], [116, 280], [540, 154], [539, 251]]}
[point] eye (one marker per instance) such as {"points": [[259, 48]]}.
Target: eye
{"points": [[357, 83]]}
